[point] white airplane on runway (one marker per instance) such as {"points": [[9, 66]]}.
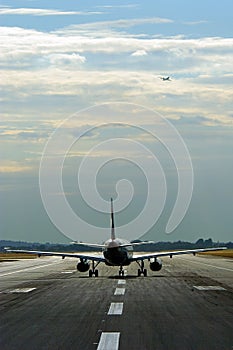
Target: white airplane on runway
{"points": [[116, 252]]}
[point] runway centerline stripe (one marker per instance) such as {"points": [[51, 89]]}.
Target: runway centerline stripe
{"points": [[115, 309], [28, 269], [64, 272], [122, 282], [109, 341], [202, 263], [119, 291]]}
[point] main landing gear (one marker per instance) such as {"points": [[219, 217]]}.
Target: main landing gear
{"points": [[93, 271], [141, 271]]}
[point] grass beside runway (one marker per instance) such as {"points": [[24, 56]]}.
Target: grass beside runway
{"points": [[228, 253], [15, 256]]}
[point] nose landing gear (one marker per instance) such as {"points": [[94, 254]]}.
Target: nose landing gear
{"points": [[121, 271]]}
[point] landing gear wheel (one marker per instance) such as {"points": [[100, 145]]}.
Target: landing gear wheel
{"points": [[141, 271], [93, 270]]}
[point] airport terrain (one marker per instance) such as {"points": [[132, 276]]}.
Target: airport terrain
{"points": [[47, 304]]}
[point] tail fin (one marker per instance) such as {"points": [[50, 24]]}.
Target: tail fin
{"points": [[112, 222]]}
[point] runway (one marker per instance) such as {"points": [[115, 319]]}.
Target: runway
{"points": [[46, 304]]}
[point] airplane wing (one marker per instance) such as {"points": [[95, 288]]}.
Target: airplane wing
{"points": [[92, 245], [136, 243], [92, 257], [173, 252]]}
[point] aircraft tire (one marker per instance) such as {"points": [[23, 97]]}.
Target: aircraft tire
{"points": [[90, 273], [139, 272], [145, 272], [96, 273]]}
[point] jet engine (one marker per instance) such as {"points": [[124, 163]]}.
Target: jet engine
{"points": [[83, 266], [156, 265]]}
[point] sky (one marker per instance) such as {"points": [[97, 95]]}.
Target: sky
{"points": [[85, 116]]}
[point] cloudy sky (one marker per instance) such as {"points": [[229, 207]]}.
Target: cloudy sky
{"points": [[65, 59]]}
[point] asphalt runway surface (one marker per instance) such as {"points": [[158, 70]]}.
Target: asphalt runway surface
{"points": [[46, 304]]}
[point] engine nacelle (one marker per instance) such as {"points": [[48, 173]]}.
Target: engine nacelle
{"points": [[83, 266], [156, 265]]}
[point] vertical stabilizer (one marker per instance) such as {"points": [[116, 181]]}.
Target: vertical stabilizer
{"points": [[112, 222]]}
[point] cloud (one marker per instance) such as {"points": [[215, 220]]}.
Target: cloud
{"points": [[14, 132], [118, 6], [139, 53], [36, 136], [25, 47], [42, 12], [192, 23], [13, 167], [181, 97], [62, 59], [17, 43], [92, 62], [110, 28]]}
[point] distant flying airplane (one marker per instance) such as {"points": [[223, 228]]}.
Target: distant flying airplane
{"points": [[116, 252], [165, 78]]}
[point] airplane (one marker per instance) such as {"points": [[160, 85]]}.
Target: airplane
{"points": [[165, 78], [116, 252]]}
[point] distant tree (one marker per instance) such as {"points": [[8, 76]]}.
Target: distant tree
{"points": [[200, 242], [208, 242]]}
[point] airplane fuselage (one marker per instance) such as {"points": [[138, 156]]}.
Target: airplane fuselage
{"points": [[115, 255]]}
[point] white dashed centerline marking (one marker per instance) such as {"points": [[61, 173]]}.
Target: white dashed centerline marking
{"points": [[121, 281], [115, 309], [71, 271], [109, 341], [119, 291]]}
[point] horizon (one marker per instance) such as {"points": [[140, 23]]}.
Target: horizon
{"points": [[198, 241]]}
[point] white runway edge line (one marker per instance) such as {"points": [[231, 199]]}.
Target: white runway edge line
{"points": [[28, 269], [18, 290], [115, 309], [209, 288], [109, 341], [119, 291]]}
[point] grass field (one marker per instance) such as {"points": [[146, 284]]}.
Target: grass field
{"points": [[228, 253], [15, 256]]}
